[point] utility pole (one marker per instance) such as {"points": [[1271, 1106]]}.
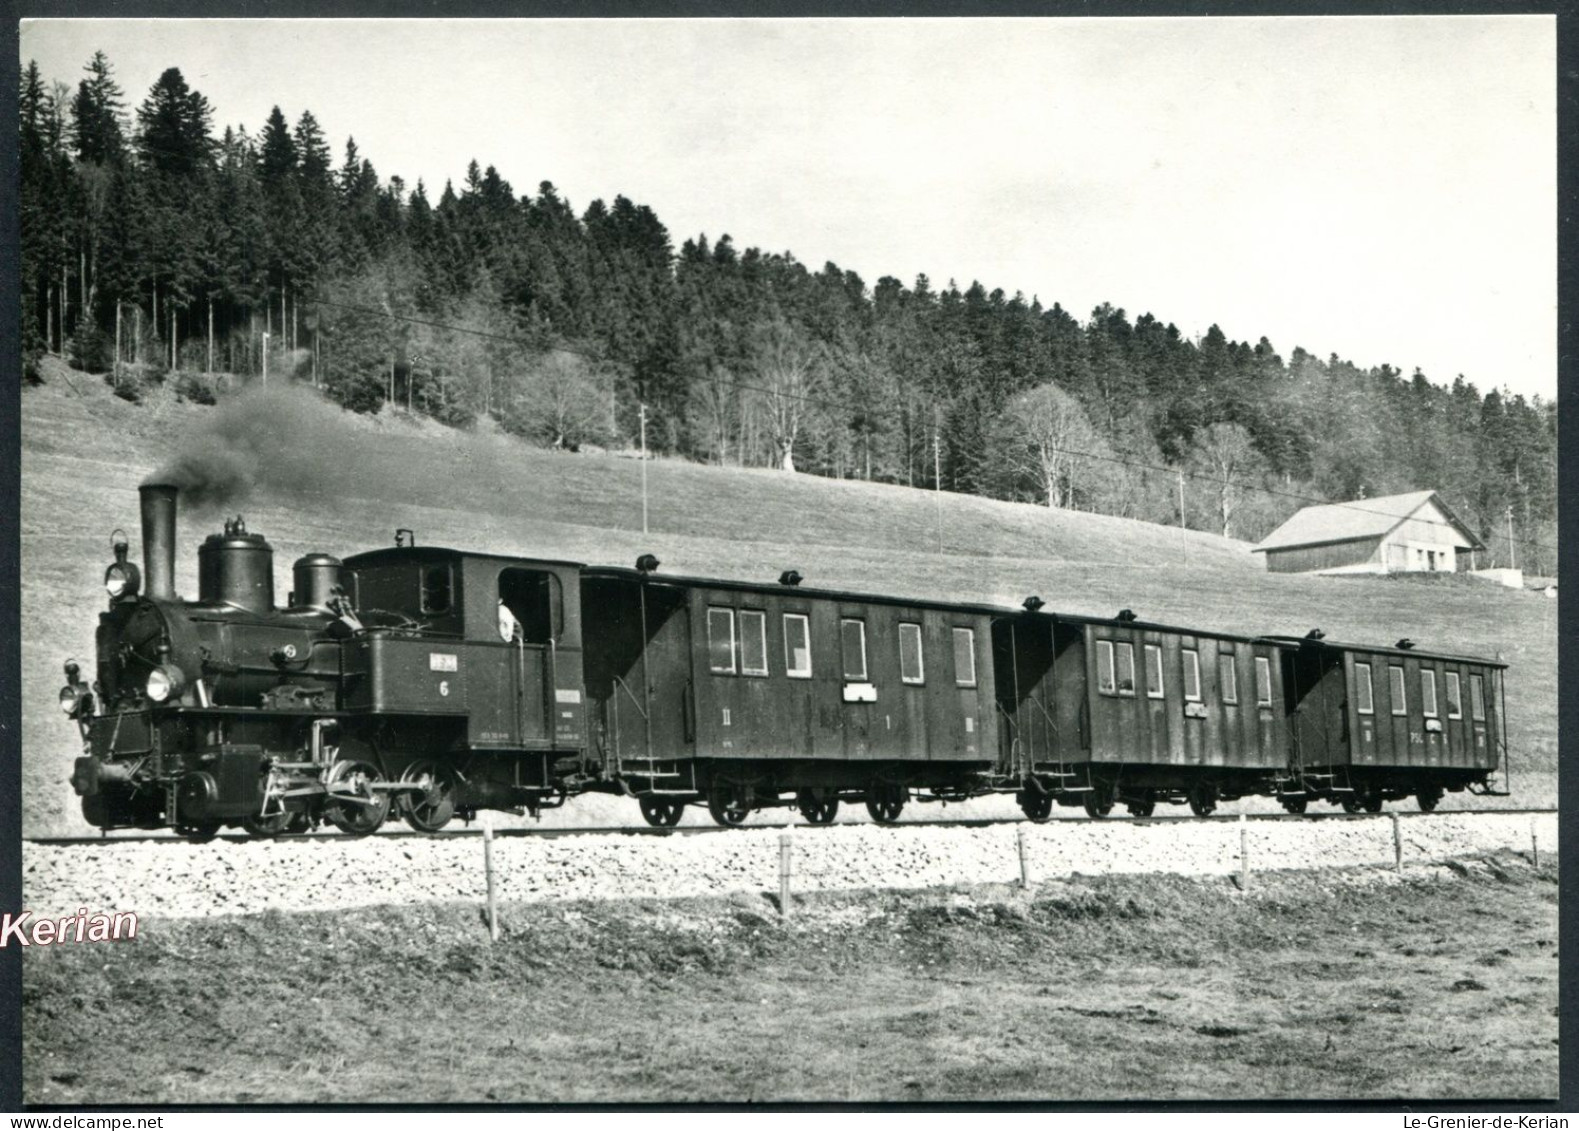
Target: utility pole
{"points": [[211, 333], [265, 358], [1513, 557], [117, 368], [1184, 540], [643, 417]]}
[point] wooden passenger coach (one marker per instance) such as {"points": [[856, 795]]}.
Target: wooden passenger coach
{"points": [[1106, 710], [761, 695], [1379, 724]]}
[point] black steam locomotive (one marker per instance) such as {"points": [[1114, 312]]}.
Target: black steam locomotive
{"points": [[431, 683]]}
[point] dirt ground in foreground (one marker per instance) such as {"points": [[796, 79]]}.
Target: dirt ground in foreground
{"points": [[1438, 985]]}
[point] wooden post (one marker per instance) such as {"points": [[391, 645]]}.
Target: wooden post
{"points": [[117, 367], [784, 875], [643, 408], [1398, 844], [1244, 853], [65, 305], [1535, 846], [1025, 863], [173, 358], [487, 867], [265, 357], [211, 334]]}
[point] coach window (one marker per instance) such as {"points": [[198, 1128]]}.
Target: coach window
{"points": [[721, 641], [965, 657], [1428, 693], [1455, 701], [911, 667], [852, 639], [753, 642], [1105, 682], [1264, 681], [1192, 675], [1124, 664], [1477, 698], [436, 589], [797, 646], [1154, 671], [532, 597], [1364, 696], [1228, 677], [1395, 684]]}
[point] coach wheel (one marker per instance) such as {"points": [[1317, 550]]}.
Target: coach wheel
{"points": [[354, 806], [1351, 803], [1097, 804], [198, 832], [1143, 805], [434, 807], [885, 803], [727, 807], [1037, 806], [271, 826], [817, 811], [661, 814], [1429, 797], [1203, 800], [1295, 805]]}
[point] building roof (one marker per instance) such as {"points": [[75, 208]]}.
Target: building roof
{"points": [[1362, 518]]}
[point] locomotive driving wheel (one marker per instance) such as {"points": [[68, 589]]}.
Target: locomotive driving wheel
{"points": [[434, 807], [271, 826], [817, 810], [727, 807], [660, 813], [354, 806]]}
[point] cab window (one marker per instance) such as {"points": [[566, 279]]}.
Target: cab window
{"points": [[531, 606], [437, 588]]}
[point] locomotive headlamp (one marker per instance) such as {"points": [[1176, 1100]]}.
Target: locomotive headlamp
{"points": [[165, 682], [122, 578], [69, 700]]}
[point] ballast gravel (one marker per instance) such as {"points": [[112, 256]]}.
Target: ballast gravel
{"points": [[323, 871]]}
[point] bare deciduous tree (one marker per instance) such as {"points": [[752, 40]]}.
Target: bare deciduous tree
{"points": [[789, 374], [1224, 455], [1039, 435]]}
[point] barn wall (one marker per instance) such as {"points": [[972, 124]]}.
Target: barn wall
{"points": [[1306, 559]]}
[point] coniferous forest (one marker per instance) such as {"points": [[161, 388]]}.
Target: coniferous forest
{"points": [[163, 251]]}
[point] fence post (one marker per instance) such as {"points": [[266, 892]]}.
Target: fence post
{"points": [[1398, 844], [784, 875], [1244, 853], [1025, 864], [487, 867], [1535, 846]]}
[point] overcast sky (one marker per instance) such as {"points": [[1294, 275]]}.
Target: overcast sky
{"points": [[1379, 188]]}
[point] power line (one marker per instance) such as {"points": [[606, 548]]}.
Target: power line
{"points": [[852, 406]]}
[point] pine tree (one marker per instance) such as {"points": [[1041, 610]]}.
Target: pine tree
{"points": [[96, 114]]}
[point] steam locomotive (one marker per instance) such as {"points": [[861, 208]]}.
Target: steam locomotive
{"points": [[431, 683]]}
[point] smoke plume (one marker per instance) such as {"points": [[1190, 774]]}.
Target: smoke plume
{"points": [[283, 439]]}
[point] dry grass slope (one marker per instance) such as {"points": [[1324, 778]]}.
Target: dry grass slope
{"points": [[354, 479]]}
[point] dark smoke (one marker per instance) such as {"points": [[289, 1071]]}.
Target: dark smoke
{"points": [[283, 439]]}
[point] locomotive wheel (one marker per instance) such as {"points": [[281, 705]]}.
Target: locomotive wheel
{"points": [[1037, 807], [1429, 797], [1143, 806], [366, 809], [432, 809], [727, 808], [885, 804], [660, 814], [1350, 803], [271, 826], [817, 811], [1203, 800], [198, 832], [1294, 805]]}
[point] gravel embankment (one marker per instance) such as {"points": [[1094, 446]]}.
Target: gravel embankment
{"points": [[326, 871]]}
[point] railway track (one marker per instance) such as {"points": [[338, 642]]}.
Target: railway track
{"points": [[325, 837]]}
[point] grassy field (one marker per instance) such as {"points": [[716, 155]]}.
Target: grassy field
{"points": [[341, 483], [1438, 986]]}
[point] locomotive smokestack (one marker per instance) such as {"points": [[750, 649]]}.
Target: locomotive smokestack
{"points": [[158, 506]]}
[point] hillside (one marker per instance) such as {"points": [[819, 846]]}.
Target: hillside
{"points": [[322, 479]]}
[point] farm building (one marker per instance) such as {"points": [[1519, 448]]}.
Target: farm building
{"points": [[1394, 533]]}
